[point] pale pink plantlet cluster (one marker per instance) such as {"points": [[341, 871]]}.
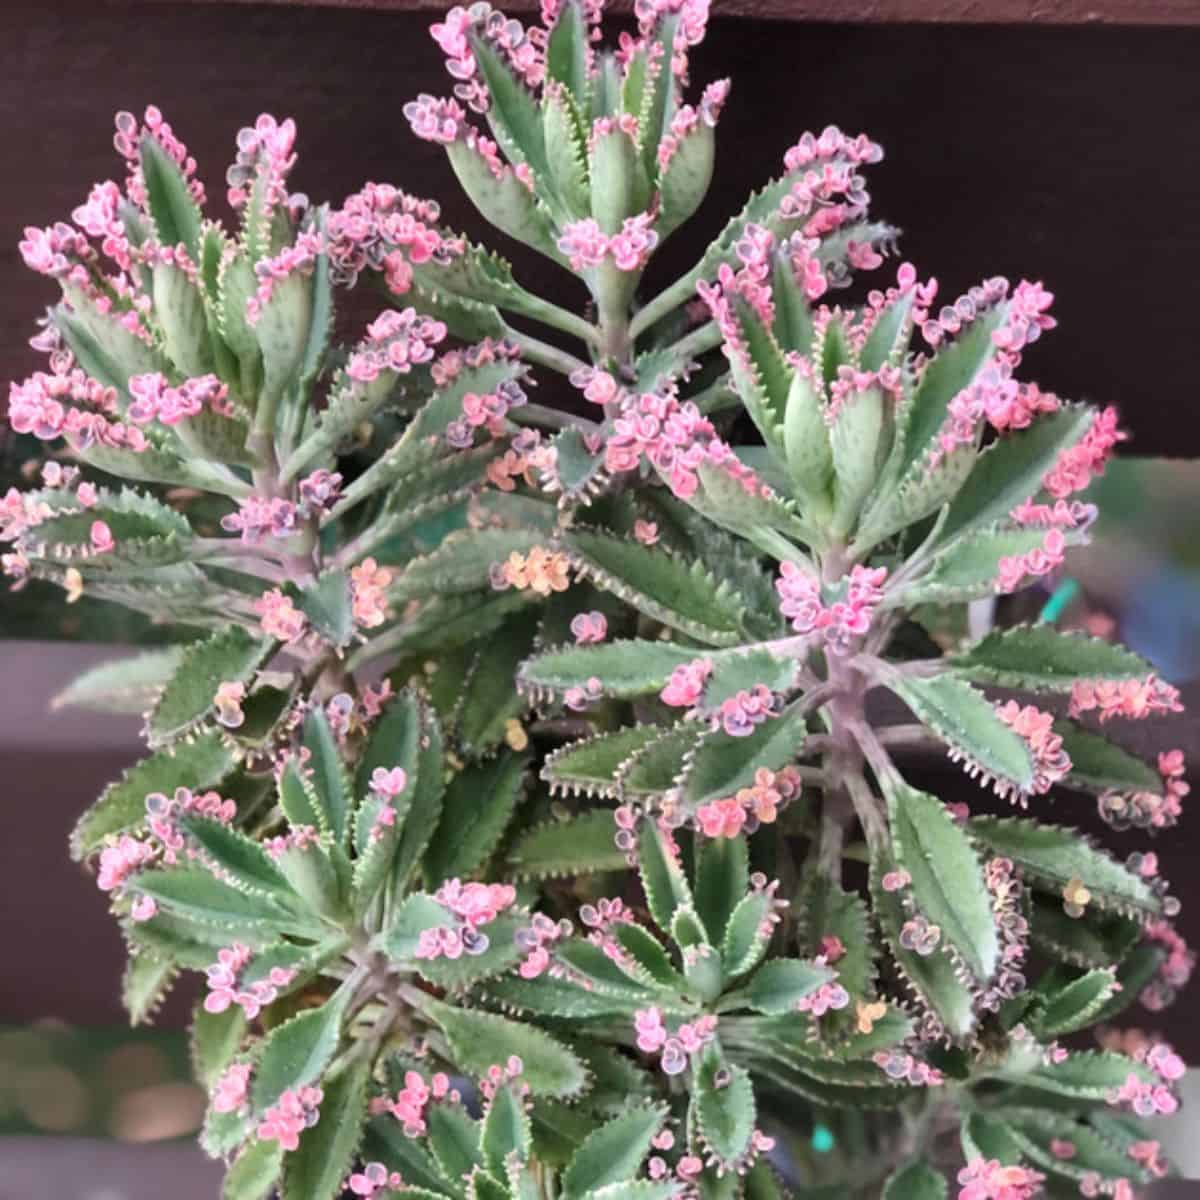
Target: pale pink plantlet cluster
{"points": [[156, 400], [163, 813], [121, 859], [396, 341], [100, 538], [685, 688], [67, 403], [741, 713], [472, 905], [1014, 570], [751, 806], [586, 245], [908, 1068], [485, 410], [264, 150], [300, 258], [1050, 761], [1077, 466], [987, 1179], [294, 1112], [258, 517], [409, 1105], [381, 228], [536, 941], [1132, 699], [300, 838], [829, 997], [1173, 972], [231, 1091], [840, 623], [653, 1037], [279, 616], [227, 987], [319, 491], [373, 1179], [1149, 810], [368, 593]]}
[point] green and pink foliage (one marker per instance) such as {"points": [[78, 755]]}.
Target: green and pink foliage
{"points": [[519, 782]]}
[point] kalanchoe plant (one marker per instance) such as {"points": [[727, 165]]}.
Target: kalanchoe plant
{"points": [[616, 881]]}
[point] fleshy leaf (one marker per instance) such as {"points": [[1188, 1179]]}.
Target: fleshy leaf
{"points": [[505, 1130], [723, 1105], [147, 979], [663, 880], [580, 845], [296, 1053], [916, 1181], [967, 722], [1042, 658], [478, 1040], [625, 668], [722, 880], [194, 895], [777, 985], [613, 1153], [254, 1173], [476, 810], [681, 595], [240, 861], [127, 685], [1074, 1006], [947, 879], [1098, 765], [215, 1039], [231, 656], [317, 1169], [590, 766], [327, 605], [1053, 856]]}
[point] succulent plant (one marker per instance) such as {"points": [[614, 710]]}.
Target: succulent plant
{"points": [[542, 794]]}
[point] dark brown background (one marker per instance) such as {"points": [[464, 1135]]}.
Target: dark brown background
{"points": [[1067, 154]]}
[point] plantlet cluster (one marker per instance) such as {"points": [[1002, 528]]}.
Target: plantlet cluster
{"points": [[534, 790]]}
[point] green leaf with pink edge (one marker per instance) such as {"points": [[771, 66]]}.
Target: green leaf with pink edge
{"points": [[947, 878], [590, 765], [296, 1053], [722, 1105], [966, 720], [625, 668], [578, 845], [662, 876], [614, 1152], [1044, 659], [318, 1167]]}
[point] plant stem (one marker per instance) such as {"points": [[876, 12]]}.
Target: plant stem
{"points": [[680, 292], [544, 354]]}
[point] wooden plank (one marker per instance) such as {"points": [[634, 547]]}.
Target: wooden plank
{"points": [[963, 12]]}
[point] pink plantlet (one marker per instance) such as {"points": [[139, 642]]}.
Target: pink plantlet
{"points": [[368, 593], [228, 703], [895, 881], [319, 491], [829, 997], [261, 516], [1132, 699], [232, 1090], [645, 532], [1014, 569], [121, 859], [293, 1113], [100, 537], [686, 686], [987, 1179], [373, 1179], [589, 627], [742, 712], [279, 617], [1050, 761], [582, 697]]}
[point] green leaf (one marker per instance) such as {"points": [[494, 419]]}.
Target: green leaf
{"points": [[634, 1189], [827, 910], [655, 769], [230, 656], [777, 985], [394, 742], [425, 806], [501, 956], [745, 941], [549, 997], [952, 369], [254, 1173], [487, 699], [385, 1141], [1042, 658], [1010, 471], [462, 563], [966, 721], [931, 977], [591, 765], [476, 810], [127, 685], [580, 845], [454, 1140], [566, 156], [1097, 765], [415, 914], [505, 1131], [967, 569], [722, 764], [947, 879], [241, 861], [684, 184], [297, 1052], [317, 1169], [722, 880], [985, 1137], [723, 1105], [1085, 1075], [1096, 939], [1030, 1129], [625, 668], [215, 1039], [662, 876], [298, 797], [174, 212], [512, 114], [917, 1181], [329, 780], [736, 671], [193, 894], [613, 1153], [146, 980], [1050, 855], [684, 596], [327, 606], [648, 957], [1073, 1007], [479, 1039], [623, 978], [760, 373]]}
